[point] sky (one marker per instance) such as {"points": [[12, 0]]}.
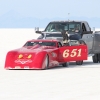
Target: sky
{"points": [[44, 9]]}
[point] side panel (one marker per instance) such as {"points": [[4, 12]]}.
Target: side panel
{"points": [[73, 53], [88, 39], [96, 44]]}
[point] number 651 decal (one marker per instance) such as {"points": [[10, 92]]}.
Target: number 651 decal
{"points": [[73, 53]]}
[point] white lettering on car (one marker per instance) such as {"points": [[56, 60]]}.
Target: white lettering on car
{"points": [[19, 61]]}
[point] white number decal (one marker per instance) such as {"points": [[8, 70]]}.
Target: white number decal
{"points": [[79, 53], [66, 53], [74, 52]]}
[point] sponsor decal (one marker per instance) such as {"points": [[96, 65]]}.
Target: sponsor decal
{"points": [[21, 61]]}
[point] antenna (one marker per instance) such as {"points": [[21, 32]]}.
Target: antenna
{"points": [[93, 29], [68, 16]]}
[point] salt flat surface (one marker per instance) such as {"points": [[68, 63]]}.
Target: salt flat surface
{"points": [[60, 83]]}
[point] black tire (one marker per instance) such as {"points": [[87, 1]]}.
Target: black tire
{"points": [[99, 57], [95, 58], [79, 62], [46, 62], [65, 64]]}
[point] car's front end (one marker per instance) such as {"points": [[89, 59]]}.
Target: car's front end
{"points": [[26, 58], [31, 56]]}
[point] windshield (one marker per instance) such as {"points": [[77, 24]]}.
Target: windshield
{"points": [[40, 43], [58, 27]]}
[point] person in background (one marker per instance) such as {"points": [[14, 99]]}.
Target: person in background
{"points": [[77, 28]]}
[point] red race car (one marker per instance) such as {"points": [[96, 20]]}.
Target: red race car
{"points": [[43, 54]]}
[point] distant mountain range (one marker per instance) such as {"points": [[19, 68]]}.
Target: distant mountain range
{"points": [[13, 19]]}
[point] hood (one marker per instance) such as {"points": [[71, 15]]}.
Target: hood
{"points": [[32, 49]]}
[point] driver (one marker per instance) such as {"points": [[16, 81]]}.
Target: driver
{"points": [[77, 28], [65, 37]]}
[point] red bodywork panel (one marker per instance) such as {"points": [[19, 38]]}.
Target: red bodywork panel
{"points": [[35, 57], [73, 53]]}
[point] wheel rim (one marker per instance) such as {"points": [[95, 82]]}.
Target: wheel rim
{"points": [[46, 62]]}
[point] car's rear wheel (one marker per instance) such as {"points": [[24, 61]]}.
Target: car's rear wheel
{"points": [[46, 62], [81, 42], [79, 62], [65, 64], [95, 58]]}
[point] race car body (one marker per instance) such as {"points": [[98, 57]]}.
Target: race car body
{"points": [[43, 54]]}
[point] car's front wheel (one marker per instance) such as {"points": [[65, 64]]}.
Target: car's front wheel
{"points": [[46, 62]]}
